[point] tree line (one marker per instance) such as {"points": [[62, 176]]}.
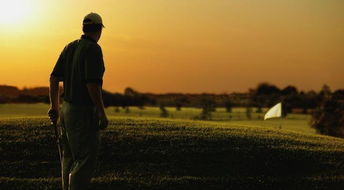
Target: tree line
{"points": [[264, 95], [325, 106]]}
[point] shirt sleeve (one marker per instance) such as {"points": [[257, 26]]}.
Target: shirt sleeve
{"points": [[59, 68], [94, 65]]}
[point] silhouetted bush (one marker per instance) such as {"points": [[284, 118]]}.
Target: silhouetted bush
{"points": [[229, 105], [265, 95], [205, 114], [249, 112], [208, 105], [116, 109], [328, 118], [163, 111]]}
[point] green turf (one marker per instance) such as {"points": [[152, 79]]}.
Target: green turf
{"points": [[23, 110], [294, 122], [154, 153]]}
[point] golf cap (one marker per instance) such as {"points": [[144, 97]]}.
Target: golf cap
{"points": [[93, 18]]}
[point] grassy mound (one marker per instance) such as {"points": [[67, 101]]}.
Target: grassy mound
{"points": [[140, 153]]}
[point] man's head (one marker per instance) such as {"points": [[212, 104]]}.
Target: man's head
{"points": [[92, 25]]}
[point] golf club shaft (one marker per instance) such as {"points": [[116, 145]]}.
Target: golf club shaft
{"points": [[57, 138]]}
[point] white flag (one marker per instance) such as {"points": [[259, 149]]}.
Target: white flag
{"points": [[275, 111]]}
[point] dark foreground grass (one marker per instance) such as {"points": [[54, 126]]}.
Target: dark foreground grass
{"points": [[176, 154]]}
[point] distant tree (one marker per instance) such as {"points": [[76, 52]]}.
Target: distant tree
{"points": [[267, 89], [289, 90], [290, 95], [309, 100], [249, 112], [229, 105], [205, 114], [163, 111], [328, 118], [134, 98], [325, 91], [45, 99], [265, 95], [130, 92], [9, 91], [178, 107], [3, 99], [107, 98], [181, 101], [312, 100], [288, 103], [22, 98], [208, 104]]}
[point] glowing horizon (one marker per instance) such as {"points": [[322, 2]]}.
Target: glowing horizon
{"points": [[182, 46]]}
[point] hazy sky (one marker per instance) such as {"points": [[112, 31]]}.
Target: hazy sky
{"points": [[181, 45]]}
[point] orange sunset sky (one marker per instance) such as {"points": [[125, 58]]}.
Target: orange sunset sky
{"points": [[181, 45]]}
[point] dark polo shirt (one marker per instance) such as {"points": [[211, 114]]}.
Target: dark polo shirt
{"points": [[80, 62]]}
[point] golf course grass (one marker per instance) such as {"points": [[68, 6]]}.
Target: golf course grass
{"points": [[156, 153], [294, 122]]}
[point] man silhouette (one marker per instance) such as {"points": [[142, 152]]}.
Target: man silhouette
{"points": [[81, 68]]}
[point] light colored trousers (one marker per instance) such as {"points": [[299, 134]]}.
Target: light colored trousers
{"points": [[80, 145]]}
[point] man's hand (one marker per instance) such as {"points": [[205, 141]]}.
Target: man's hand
{"points": [[53, 115], [103, 121]]}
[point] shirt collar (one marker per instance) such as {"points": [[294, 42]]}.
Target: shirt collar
{"points": [[88, 38]]}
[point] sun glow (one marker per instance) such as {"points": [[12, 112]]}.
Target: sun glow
{"points": [[14, 12]]}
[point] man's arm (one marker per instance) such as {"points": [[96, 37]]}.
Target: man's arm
{"points": [[54, 99], [95, 92], [55, 77]]}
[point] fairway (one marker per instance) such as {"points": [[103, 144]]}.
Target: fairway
{"points": [[155, 153], [293, 122]]}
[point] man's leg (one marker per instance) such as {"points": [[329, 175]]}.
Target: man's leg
{"points": [[67, 163], [67, 157], [83, 137], [82, 171]]}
